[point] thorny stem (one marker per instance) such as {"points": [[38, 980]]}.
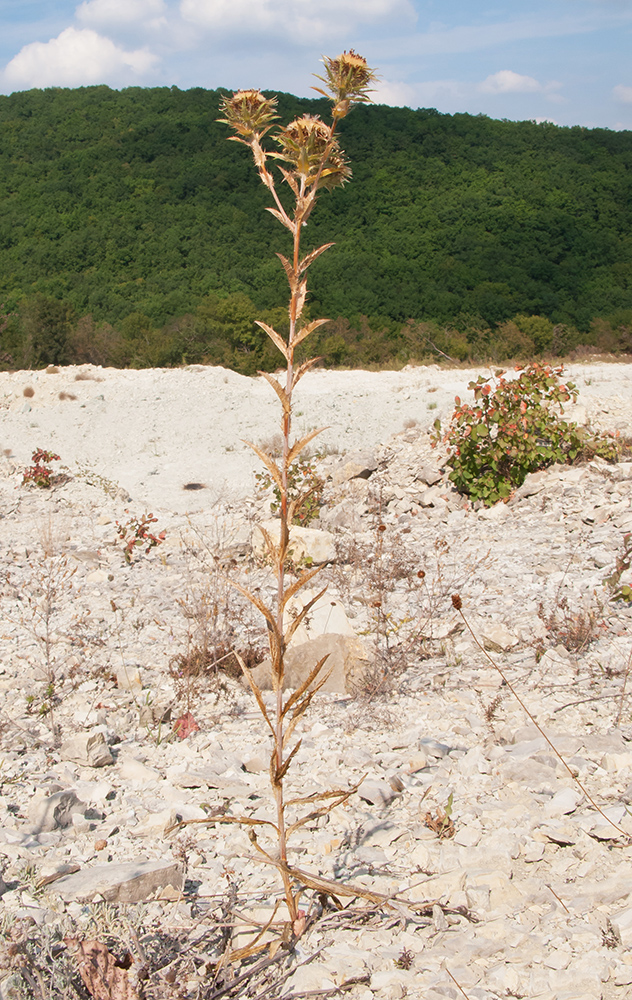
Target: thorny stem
{"points": [[249, 114], [456, 602]]}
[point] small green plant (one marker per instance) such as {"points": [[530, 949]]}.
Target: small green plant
{"points": [[40, 472], [303, 480], [136, 532], [513, 428]]}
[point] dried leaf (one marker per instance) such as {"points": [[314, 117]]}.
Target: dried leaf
{"points": [[290, 273], [300, 616], [280, 391], [302, 370], [299, 300], [305, 332], [282, 219], [273, 550], [298, 446], [276, 339], [280, 774], [302, 581], [185, 725], [256, 690], [311, 257], [269, 463], [104, 976], [289, 178], [258, 603], [296, 695]]}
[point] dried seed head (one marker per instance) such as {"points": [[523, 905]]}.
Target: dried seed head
{"points": [[248, 113], [382, 527], [421, 574], [348, 80], [304, 143], [457, 603]]}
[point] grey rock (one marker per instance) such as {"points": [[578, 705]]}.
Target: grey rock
{"points": [[131, 882], [359, 465], [376, 791], [429, 475], [54, 812], [89, 749], [309, 545]]}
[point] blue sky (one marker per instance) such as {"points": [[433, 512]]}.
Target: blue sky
{"points": [[567, 61]]}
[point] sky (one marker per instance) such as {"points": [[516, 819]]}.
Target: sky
{"points": [[565, 61]]}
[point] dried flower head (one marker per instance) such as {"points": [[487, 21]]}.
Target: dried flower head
{"points": [[249, 113], [348, 80], [304, 143], [457, 603]]}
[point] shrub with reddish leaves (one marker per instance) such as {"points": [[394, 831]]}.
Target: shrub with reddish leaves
{"points": [[513, 427], [136, 532], [39, 474]]}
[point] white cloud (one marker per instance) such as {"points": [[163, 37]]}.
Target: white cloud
{"points": [[119, 12], [302, 20], [395, 94], [76, 57], [508, 82], [623, 94]]}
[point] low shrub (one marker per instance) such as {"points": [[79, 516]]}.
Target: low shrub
{"points": [[514, 427]]}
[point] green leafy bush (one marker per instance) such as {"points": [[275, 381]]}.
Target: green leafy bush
{"points": [[515, 427]]}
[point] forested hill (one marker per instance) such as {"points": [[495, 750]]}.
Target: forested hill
{"points": [[119, 203]]}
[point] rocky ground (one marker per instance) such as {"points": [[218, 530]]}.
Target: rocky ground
{"points": [[124, 727]]}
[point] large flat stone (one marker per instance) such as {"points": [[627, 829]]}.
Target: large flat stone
{"points": [[130, 882]]}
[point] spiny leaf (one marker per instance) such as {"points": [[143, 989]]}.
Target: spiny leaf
{"points": [[298, 446], [300, 616], [294, 697], [283, 219], [269, 463], [311, 257], [286, 764], [290, 272], [302, 581], [258, 603], [280, 391], [304, 704], [221, 818], [298, 299], [338, 797], [289, 178], [274, 336], [305, 332], [256, 690], [302, 370], [273, 550]]}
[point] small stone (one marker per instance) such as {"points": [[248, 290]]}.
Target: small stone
{"points": [[128, 679], [89, 749], [563, 802], [498, 638], [135, 770], [378, 793], [54, 812], [533, 853]]}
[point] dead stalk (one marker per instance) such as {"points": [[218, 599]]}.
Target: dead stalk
{"points": [[312, 161]]}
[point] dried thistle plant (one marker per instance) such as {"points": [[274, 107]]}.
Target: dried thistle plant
{"points": [[310, 159]]}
